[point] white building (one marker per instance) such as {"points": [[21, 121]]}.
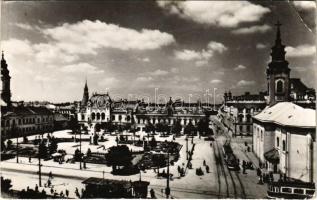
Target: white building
{"points": [[283, 139]]}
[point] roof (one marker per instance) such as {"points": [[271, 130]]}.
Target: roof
{"points": [[272, 156], [288, 114], [298, 85], [107, 182], [26, 110]]}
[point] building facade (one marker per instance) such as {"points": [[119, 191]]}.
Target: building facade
{"points": [[237, 111], [283, 139], [18, 119], [101, 109]]}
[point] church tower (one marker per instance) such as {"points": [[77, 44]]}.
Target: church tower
{"points": [[278, 72], [5, 78], [85, 96]]}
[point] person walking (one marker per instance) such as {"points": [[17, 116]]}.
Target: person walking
{"points": [[66, 192], [152, 192]]}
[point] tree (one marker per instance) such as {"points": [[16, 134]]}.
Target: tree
{"points": [[5, 184], [9, 144], [73, 124], [158, 161], [189, 129], [97, 127], [177, 127], [203, 126], [159, 127], [149, 128], [53, 145], [119, 156], [42, 150], [95, 139], [153, 143], [88, 152]]}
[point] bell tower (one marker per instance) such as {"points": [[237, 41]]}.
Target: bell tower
{"points": [[5, 78], [278, 72]]}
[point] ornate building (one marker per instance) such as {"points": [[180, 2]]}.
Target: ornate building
{"points": [[100, 109], [237, 111]]}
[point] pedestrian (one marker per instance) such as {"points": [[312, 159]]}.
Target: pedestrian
{"points": [[49, 183], [77, 193], [152, 193], [207, 168], [66, 192], [36, 188], [50, 175], [52, 191], [61, 194], [204, 163], [30, 159], [43, 192]]}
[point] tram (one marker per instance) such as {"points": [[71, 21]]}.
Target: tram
{"points": [[231, 160], [290, 190]]}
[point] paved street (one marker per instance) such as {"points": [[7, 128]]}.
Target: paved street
{"points": [[218, 183]]}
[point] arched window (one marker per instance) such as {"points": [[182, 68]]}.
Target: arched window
{"points": [[98, 116], [103, 116], [128, 118], [120, 118], [284, 145], [279, 86], [93, 116]]}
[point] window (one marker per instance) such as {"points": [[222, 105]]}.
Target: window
{"points": [[113, 117], [248, 128], [103, 116], [284, 145], [311, 192], [287, 190], [277, 141], [240, 127], [299, 191], [261, 135], [120, 118], [98, 116], [279, 86], [82, 117], [93, 116]]}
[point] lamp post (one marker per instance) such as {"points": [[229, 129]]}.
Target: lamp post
{"points": [[168, 190], [215, 98], [186, 147], [80, 149]]}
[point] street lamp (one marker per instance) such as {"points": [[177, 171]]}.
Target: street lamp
{"points": [[168, 190], [215, 98]]}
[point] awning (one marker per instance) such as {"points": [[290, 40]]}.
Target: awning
{"points": [[272, 156]]}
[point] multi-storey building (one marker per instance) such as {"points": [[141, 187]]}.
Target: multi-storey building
{"points": [[100, 109], [17, 119], [237, 111]]}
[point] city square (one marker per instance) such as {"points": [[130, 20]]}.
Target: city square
{"points": [[159, 99]]}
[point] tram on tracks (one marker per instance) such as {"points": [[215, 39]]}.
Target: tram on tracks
{"points": [[230, 159], [290, 190]]}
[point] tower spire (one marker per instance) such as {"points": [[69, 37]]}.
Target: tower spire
{"points": [[2, 55], [278, 33]]}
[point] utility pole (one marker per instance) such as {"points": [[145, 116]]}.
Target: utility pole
{"points": [[40, 173], [17, 151], [168, 190], [186, 147], [215, 98], [80, 149]]}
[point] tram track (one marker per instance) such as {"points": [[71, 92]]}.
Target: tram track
{"points": [[238, 187]]}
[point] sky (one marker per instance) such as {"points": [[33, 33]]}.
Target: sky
{"points": [[148, 49]]}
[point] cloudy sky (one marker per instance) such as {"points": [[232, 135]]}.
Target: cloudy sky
{"points": [[131, 48]]}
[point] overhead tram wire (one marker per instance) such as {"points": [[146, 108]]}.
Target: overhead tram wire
{"points": [[298, 16]]}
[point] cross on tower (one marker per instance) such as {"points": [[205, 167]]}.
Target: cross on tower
{"points": [[278, 24]]}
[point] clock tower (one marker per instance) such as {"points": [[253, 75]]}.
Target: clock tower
{"points": [[278, 72], [5, 78]]}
